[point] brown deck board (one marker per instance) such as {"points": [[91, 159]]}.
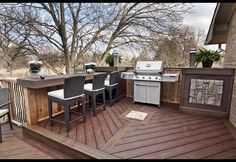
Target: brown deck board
{"points": [[89, 133], [169, 144], [166, 138], [81, 133], [105, 128], [17, 146], [168, 126], [168, 134], [115, 119], [159, 134], [211, 150], [100, 139], [187, 148], [165, 122], [228, 154], [110, 123]]}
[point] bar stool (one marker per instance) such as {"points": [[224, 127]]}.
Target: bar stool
{"points": [[111, 85], [94, 89], [73, 92]]}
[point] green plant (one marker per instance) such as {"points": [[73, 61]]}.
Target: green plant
{"points": [[35, 66], [110, 59], [90, 66], [207, 57]]}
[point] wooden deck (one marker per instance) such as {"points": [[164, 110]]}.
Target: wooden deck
{"points": [[165, 134], [17, 146]]}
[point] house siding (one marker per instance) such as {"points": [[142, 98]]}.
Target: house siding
{"points": [[230, 62]]}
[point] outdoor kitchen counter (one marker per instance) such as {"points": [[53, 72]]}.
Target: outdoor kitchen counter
{"points": [[49, 81], [36, 95]]}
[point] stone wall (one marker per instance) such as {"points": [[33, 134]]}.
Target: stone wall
{"points": [[230, 62]]}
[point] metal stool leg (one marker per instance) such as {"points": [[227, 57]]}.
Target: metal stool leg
{"points": [[9, 119], [104, 100], [110, 95], [94, 104], [83, 107], [67, 117]]}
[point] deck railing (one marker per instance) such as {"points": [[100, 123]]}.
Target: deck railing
{"points": [[16, 95]]}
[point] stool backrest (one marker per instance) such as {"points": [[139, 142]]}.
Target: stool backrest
{"points": [[114, 76], [98, 81], [74, 86], [4, 97]]}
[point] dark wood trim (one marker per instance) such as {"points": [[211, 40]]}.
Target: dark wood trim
{"points": [[66, 145], [204, 112], [109, 68], [208, 71]]}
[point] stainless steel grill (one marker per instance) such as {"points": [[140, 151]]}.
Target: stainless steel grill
{"points": [[147, 77]]}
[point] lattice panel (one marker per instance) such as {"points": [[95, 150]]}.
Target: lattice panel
{"points": [[206, 91]]}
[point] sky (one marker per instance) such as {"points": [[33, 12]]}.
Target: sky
{"points": [[201, 18]]}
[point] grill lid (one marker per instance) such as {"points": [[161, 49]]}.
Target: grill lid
{"points": [[149, 67]]}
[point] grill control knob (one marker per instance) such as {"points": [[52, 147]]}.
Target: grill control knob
{"points": [[150, 77], [156, 77], [143, 77]]}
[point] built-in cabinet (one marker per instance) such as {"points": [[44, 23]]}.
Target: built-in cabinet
{"points": [[147, 92]]}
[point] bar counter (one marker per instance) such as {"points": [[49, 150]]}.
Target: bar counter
{"points": [[49, 81]]}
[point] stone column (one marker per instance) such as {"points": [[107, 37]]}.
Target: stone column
{"points": [[116, 59], [192, 57]]}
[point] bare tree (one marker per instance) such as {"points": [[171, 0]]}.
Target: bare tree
{"points": [[74, 29], [174, 48], [138, 22], [12, 49]]}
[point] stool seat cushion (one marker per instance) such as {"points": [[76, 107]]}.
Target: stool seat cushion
{"points": [[60, 94], [89, 87], [107, 83], [3, 111]]}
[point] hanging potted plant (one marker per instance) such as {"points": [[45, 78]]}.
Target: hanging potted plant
{"points": [[207, 57]]}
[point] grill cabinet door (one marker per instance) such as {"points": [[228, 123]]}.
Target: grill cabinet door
{"points": [[153, 92], [140, 89]]}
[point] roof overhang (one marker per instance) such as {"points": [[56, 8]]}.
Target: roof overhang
{"points": [[217, 33]]}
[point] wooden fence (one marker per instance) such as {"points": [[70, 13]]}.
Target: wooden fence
{"points": [[16, 95]]}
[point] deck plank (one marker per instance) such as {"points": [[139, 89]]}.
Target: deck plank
{"points": [[197, 129], [186, 148], [169, 134], [100, 139], [191, 126], [209, 151], [169, 144], [81, 133], [110, 123], [105, 128], [228, 154], [89, 133]]}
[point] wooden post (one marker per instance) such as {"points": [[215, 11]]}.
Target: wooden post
{"points": [[31, 106]]}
